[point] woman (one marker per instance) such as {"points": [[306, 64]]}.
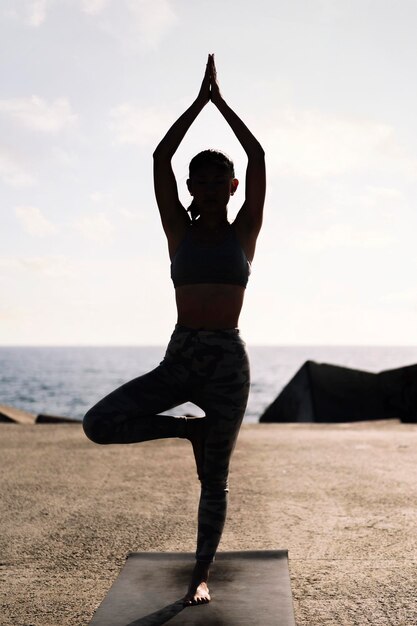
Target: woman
{"points": [[206, 361]]}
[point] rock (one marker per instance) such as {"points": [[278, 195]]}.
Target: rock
{"points": [[16, 416], [321, 392], [295, 402], [399, 391], [42, 418]]}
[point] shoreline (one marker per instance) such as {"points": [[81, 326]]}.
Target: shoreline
{"points": [[339, 497]]}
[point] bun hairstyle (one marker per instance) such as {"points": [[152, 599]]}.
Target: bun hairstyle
{"points": [[201, 160]]}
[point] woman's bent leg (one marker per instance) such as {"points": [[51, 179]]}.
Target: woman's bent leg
{"points": [[130, 413]]}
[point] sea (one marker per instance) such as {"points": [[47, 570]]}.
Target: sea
{"points": [[66, 381]]}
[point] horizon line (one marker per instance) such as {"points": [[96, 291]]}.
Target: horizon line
{"points": [[254, 345]]}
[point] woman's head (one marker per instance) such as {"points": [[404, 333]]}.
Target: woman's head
{"points": [[209, 158], [211, 181]]}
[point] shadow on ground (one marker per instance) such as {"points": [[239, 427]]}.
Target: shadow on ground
{"points": [[159, 617]]}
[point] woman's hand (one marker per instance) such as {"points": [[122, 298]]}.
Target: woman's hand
{"points": [[204, 93], [215, 95]]}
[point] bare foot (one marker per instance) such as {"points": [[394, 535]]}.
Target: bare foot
{"points": [[198, 591], [200, 596], [195, 433]]}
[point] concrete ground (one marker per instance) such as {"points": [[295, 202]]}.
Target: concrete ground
{"points": [[341, 498]]}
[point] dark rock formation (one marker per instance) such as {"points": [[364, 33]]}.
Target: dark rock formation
{"points": [[321, 392], [15, 416], [42, 418], [18, 416]]}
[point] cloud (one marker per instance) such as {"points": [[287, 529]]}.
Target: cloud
{"points": [[8, 262], [37, 114], [34, 12], [14, 173], [11, 313], [102, 197], [375, 196], [342, 236], [93, 7], [34, 222], [133, 23], [331, 11], [68, 158], [406, 297], [370, 205], [107, 201], [138, 24], [96, 227], [131, 216], [54, 266], [313, 145], [31, 12], [152, 19], [138, 125], [37, 12]]}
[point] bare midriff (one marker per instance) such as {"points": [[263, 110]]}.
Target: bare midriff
{"points": [[209, 306]]}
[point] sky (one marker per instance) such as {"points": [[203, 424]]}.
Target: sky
{"points": [[89, 87]]}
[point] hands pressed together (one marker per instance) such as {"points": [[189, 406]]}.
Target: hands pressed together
{"points": [[209, 89]]}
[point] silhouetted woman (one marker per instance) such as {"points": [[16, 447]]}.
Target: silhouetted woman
{"points": [[206, 361]]}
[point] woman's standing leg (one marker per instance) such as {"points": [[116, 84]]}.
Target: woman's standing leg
{"points": [[223, 397], [224, 402]]}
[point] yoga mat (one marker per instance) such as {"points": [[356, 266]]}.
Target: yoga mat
{"points": [[246, 588]]}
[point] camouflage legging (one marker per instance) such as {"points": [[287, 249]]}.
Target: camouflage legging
{"points": [[208, 368]]}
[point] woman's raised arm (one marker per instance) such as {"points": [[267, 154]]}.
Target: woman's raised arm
{"points": [[173, 214], [249, 217]]}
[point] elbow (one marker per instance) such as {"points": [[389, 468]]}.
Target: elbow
{"points": [[257, 153], [161, 154], [260, 152]]}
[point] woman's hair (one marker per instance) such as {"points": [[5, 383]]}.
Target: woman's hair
{"points": [[201, 160]]}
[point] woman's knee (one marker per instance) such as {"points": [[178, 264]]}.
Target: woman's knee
{"points": [[95, 427], [215, 486]]}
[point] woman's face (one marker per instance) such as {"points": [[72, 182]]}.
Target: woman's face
{"points": [[211, 187]]}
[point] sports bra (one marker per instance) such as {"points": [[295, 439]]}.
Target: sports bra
{"points": [[223, 262]]}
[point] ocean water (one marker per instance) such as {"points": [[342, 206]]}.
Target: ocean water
{"points": [[68, 380]]}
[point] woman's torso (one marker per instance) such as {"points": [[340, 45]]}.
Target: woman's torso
{"points": [[210, 271]]}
